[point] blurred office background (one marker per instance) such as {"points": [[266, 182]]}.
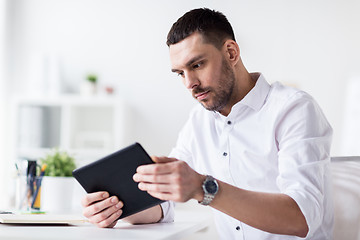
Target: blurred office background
{"points": [[47, 48]]}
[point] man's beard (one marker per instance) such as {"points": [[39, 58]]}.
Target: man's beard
{"points": [[223, 92]]}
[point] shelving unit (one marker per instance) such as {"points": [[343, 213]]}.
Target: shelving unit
{"points": [[87, 127]]}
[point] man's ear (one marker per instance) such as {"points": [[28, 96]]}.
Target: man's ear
{"points": [[232, 51]]}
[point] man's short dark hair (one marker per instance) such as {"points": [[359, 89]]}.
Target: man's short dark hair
{"points": [[211, 24]]}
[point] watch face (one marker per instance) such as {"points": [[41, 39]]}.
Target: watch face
{"points": [[211, 187]]}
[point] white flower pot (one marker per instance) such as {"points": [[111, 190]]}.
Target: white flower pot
{"points": [[57, 194], [88, 88]]}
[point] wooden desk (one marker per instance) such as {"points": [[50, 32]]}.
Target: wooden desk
{"points": [[185, 224]]}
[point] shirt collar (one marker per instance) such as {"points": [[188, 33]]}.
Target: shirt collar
{"points": [[255, 99]]}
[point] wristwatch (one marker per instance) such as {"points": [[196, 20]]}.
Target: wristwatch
{"points": [[210, 187]]}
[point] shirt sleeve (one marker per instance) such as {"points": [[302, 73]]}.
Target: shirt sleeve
{"points": [[168, 209], [304, 140]]}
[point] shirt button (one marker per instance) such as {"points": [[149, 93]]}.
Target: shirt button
{"points": [[229, 122], [238, 228], [224, 154]]}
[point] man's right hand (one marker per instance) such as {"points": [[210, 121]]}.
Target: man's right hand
{"points": [[101, 209]]}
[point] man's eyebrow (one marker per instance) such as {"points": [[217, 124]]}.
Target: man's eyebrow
{"points": [[190, 62]]}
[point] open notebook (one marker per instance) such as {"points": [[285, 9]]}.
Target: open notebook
{"points": [[41, 219]]}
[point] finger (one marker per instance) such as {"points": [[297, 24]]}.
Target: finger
{"points": [[106, 213], [110, 221], [93, 197], [162, 159], [113, 224], [100, 206], [166, 196], [158, 168], [152, 178], [155, 187], [163, 196]]}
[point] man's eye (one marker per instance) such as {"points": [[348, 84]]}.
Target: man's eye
{"points": [[196, 65], [181, 74]]}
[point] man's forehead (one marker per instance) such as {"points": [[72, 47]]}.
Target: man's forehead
{"points": [[190, 47]]}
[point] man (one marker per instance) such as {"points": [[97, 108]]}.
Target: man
{"points": [[258, 154]]}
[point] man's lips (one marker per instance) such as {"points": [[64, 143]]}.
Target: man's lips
{"points": [[202, 95]]}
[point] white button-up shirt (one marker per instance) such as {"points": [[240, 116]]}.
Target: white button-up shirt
{"points": [[276, 140]]}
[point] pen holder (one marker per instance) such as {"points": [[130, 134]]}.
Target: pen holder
{"points": [[21, 193], [27, 194]]}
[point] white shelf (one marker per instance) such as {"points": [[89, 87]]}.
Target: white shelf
{"points": [[70, 99], [88, 127]]}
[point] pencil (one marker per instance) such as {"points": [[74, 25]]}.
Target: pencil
{"points": [[36, 197]]}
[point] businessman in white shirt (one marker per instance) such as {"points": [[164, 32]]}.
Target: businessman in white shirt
{"points": [[257, 154]]}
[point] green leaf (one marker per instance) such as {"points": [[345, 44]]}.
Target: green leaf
{"points": [[59, 164]]}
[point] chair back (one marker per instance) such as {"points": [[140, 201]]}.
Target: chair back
{"points": [[346, 194]]}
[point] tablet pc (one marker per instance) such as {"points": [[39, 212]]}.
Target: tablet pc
{"points": [[114, 174]]}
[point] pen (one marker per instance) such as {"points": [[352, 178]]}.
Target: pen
{"points": [[30, 192], [17, 170], [36, 197], [31, 173]]}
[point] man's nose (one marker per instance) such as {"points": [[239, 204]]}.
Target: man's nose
{"points": [[191, 80]]}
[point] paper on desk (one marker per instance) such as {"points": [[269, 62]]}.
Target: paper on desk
{"points": [[41, 219]]}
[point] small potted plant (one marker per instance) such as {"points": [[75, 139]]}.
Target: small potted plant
{"points": [[57, 183], [89, 86], [92, 78]]}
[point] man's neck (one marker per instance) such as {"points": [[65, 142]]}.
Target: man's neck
{"points": [[244, 82]]}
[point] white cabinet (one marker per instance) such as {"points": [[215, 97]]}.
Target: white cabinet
{"points": [[87, 127]]}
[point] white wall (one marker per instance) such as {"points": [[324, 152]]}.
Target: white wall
{"points": [[4, 165], [122, 41], [311, 44]]}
